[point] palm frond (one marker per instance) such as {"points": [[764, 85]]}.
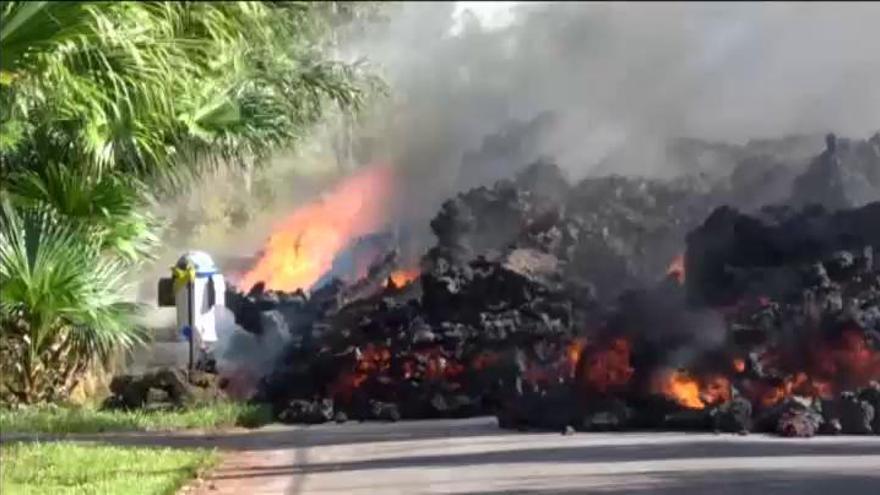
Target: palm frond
{"points": [[111, 208], [141, 87], [54, 278]]}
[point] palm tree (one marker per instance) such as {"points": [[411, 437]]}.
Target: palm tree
{"points": [[103, 105], [136, 85], [61, 304]]}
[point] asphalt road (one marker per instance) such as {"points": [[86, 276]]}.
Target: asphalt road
{"points": [[474, 456]]}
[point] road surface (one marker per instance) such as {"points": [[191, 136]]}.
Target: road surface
{"points": [[474, 456]]}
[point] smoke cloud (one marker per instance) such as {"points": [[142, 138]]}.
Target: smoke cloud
{"points": [[617, 76], [600, 88]]}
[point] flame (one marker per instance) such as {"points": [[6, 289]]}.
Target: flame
{"points": [[603, 369], [401, 278], [573, 354], [691, 392], [681, 388], [303, 246], [676, 269], [739, 365], [849, 362], [799, 383], [562, 365]]}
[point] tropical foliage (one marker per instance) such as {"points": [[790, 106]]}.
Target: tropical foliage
{"points": [[61, 303], [106, 105]]}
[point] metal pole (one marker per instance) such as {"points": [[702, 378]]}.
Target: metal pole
{"points": [[190, 316]]}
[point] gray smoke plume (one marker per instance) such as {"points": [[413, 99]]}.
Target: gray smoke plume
{"points": [[620, 81]]}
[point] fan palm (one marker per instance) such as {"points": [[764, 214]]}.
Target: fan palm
{"points": [[104, 206], [62, 304]]}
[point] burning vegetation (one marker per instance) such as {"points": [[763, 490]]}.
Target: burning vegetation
{"points": [[555, 306], [302, 248]]}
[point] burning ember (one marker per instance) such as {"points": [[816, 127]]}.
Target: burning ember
{"points": [[303, 246]]}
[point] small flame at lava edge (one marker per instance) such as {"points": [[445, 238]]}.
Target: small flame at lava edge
{"points": [[302, 248], [681, 388], [693, 393], [401, 278]]}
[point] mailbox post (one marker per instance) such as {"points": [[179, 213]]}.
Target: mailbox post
{"points": [[196, 289]]}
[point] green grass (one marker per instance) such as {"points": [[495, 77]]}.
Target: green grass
{"points": [[32, 468], [61, 420]]}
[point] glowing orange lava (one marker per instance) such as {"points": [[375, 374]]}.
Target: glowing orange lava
{"points": [[373, 359], [799, 383], [302, 247], [848, 363], [432, 365], [607, 368], [400, 278], [676, 269]]}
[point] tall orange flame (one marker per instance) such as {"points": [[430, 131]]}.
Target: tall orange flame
{"points": [[303, 246]]}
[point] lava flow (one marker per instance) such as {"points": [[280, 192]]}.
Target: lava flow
{"points": [[302, 248]]}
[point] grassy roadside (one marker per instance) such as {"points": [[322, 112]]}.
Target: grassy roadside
{"points": [[61, 420], [32, 468]]}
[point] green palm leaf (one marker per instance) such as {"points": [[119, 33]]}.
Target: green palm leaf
{"points": [[57, 292]]}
